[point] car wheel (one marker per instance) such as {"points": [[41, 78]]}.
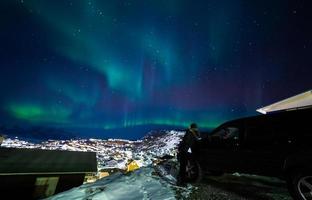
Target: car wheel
{"points": [[193, 172], [300, 185]]}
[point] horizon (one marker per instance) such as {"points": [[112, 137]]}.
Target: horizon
{"points": [[46, 133]]}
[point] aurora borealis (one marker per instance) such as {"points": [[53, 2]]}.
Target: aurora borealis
{"points": [[113, 64]]}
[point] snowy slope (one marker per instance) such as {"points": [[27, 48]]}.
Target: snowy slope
{"points": [[140, 184], [156, 145]]}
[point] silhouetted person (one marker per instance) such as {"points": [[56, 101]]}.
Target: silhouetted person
{"points": [[186, 146]]}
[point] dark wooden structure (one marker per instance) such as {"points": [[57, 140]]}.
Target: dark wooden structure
{"points": [[36, 173]]}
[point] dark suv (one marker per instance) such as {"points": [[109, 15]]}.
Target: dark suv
{"points": [[277, 144]]}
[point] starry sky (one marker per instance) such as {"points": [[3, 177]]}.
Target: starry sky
{"points": [[105, 65]]}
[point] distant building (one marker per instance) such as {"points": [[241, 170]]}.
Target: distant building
{"points": [[111, 164], [90, 177], [103, 174], [36, 174], [110, 171], [132, 166]]}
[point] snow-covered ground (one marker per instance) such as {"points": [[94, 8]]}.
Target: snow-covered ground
{"points": [[144, 184], [141, 184]]}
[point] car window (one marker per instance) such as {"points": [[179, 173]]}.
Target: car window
{"points": [[227, 133]]}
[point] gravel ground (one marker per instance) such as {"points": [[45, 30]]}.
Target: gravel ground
{"points": [[237, 187]]}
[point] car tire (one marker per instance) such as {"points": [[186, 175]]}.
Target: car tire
{"points": [[300, 185], [193, 171]]}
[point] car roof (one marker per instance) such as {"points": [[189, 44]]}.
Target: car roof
{"points": [[290, 113]]}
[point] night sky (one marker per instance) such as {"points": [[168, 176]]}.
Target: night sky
{"points": [[107, 65]]}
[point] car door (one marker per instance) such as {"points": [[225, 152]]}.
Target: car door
{"points": [[220, 151], [261, 149]]}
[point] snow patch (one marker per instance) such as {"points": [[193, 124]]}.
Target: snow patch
{"points": [[140, 184]]}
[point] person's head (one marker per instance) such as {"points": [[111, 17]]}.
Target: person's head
{"points": [[193, 126]]}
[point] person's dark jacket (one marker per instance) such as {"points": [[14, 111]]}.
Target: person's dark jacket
{"points": [[188, 141]]}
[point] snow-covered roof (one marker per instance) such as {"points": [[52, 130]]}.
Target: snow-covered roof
{"points": [[298, 101], [21, 161]]}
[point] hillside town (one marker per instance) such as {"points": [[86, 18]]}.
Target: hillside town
{"points": [[113, 155]]}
